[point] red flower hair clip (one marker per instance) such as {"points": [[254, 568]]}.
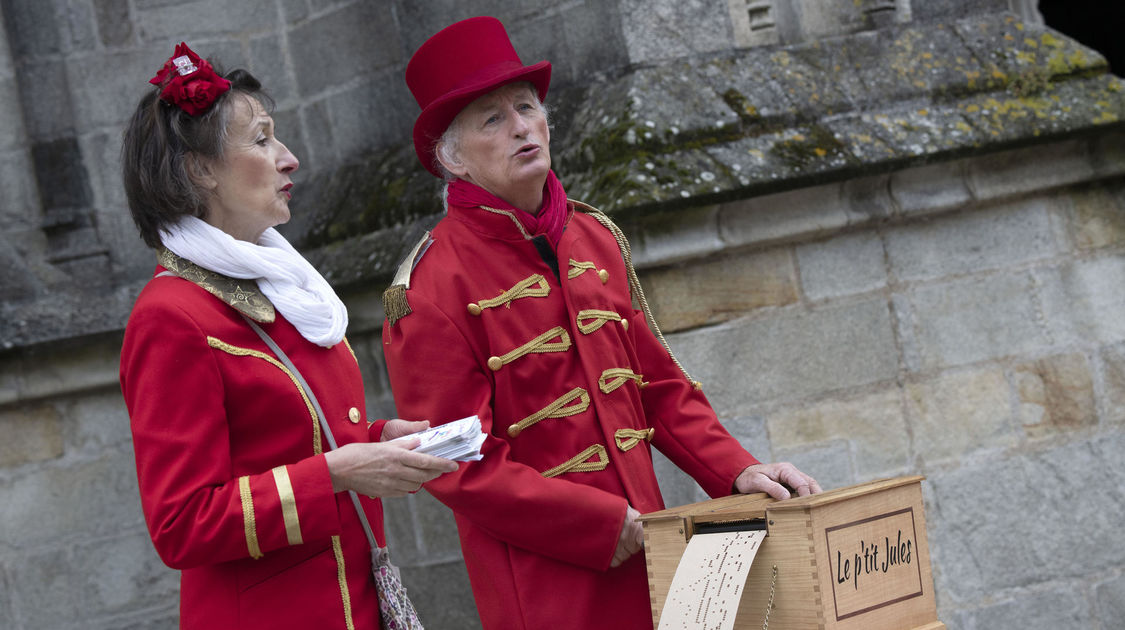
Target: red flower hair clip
{"points": [[189, 82]]}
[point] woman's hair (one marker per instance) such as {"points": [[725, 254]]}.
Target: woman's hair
{"points": [[155, 166]]}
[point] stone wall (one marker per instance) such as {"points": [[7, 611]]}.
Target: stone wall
{"points": [[951, 311]]}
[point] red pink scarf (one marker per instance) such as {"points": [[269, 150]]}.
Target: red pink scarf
{"points": [[550, 220]]}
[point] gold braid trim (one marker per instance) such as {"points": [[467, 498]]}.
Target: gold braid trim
{"points": [[578, 463], [248, 523], [532, 286], [613, 378], [342, 578], [579, 268], [510, 216], [557, 409], [634, 282], [628, 438], [247, 352], [539, 345], [395, 304], [349, 347], [244, 482], [288, 505], [599, 317]]}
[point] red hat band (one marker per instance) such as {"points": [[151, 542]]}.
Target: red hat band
{"points": [[460, 63]]}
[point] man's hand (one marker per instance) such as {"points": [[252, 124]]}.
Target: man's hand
{"points": [[631, 539], [769, 478]]}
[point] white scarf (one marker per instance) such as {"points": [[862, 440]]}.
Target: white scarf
{"points": [[294, 287]]}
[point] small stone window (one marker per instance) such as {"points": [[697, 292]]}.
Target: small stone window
{"points": [[767, 22]]}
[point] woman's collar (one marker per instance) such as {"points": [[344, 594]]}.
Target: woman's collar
{"points": [[240, 294]]}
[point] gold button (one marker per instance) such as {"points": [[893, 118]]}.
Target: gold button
{"points": [[514, 430], [604, 275], [697, 385], [494, 363], [625, 324], [353, 415], [474, 309]]}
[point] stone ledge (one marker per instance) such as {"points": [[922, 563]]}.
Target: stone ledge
{"points": [[831, 207], [754, 122], [40, 372]]}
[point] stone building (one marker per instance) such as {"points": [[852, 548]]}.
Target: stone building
{"points": [[887, 235]]}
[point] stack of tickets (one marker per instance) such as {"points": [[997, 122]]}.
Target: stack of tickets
{"points": [[459, 440]]}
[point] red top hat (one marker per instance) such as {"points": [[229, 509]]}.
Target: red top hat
{"points": [[461, 62]]}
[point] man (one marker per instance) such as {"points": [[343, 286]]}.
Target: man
{"points": [[518, 308]]}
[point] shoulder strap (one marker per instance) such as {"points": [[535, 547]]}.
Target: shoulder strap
{"points": [[284, 358], [395, 305]]}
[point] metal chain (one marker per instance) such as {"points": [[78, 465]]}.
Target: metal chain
{"points": [[769, 604]]}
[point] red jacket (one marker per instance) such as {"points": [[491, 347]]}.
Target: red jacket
{"points": [[572, 387], [235, 490]]}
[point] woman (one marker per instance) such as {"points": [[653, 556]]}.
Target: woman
{"points": [[518, 308], [239, 488]]}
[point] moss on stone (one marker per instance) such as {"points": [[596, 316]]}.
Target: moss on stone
{"points": [[367, 196], [802, 151], [1030, 83], [741, 106], [610, 144]]}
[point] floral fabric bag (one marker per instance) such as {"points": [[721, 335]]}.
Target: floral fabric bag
{"points": [[394, 606]]}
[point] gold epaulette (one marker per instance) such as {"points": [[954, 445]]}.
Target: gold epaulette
{"points": [[634, 282], [395, 304]]}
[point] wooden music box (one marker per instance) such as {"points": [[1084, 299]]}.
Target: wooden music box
{"points": [[855, 558]]}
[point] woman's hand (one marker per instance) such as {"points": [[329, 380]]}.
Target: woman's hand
{"points": [[769, 477], [398, 428], [631, 539], [386, 469]]}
